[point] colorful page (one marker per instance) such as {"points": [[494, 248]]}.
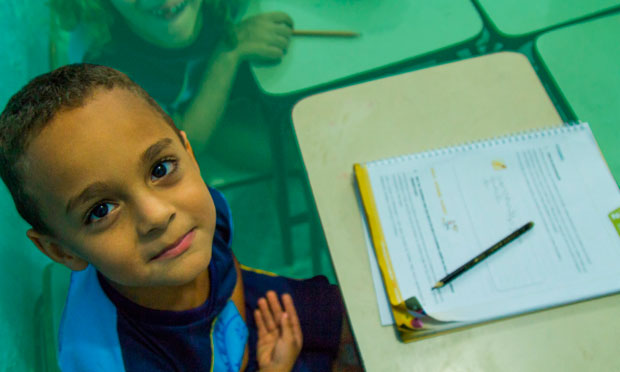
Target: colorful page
{"points": [[440, 209]]}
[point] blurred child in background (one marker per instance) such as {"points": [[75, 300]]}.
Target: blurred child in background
{"points": [[185, 53]]}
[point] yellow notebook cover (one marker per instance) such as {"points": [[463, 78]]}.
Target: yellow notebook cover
{"points": [[408, 327], [475, 194]]}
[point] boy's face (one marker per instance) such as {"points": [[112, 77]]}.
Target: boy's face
{"points": [[166, 23], [119, 190]]}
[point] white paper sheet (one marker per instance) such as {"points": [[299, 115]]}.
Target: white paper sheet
{"points": [[442, 209], [385, 314]]}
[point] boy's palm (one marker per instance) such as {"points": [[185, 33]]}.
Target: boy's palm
{"points": [[279, 334]]}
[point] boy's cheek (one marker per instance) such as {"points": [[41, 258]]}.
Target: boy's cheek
{"points": [[200, 202]]}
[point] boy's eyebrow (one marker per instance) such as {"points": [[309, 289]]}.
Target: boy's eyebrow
{"points": [[99, 187], [151, 153], [86, 194]]}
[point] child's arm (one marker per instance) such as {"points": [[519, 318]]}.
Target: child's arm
{"points": [[279, 333], [263, 37], [207, 106]]}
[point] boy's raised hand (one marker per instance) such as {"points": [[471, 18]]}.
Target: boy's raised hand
{"points": [[264, 37], [279, 333]]}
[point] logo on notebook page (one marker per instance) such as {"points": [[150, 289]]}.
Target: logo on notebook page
{"points": [[498, 165]]}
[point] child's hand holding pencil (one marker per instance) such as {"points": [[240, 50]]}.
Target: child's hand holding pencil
{"points": [[264, 37]]}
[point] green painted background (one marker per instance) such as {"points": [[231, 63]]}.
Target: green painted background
{"points": [[24, 37]]}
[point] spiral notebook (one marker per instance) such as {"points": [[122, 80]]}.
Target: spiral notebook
{"points": [[428, 213]]}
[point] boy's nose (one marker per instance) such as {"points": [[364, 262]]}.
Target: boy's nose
{"points": [[154, 214]]}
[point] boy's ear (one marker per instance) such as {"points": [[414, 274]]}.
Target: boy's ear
{"points": [[51, 249], [188, 147]]}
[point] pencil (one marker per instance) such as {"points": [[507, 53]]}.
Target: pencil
{"points": [[325, 33], [494, 248]]}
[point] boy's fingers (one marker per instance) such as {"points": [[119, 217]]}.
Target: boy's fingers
{"points": [[274, 305], [270, 324], [289, 307], [271, 53], [285, 325], [279, 42], [260, 324], [283, 30], [281, 17]]}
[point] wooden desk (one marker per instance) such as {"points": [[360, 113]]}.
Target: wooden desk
{"points": [[517, 18], [391, 32], [583, 62], [443, 105]]}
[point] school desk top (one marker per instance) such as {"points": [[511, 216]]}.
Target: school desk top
{"points": [[516, 18], [461, 101], [583, 61], [391, 32]]}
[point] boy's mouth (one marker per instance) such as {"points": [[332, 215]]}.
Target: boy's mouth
{"points": [[169, 11], [178, 247]]}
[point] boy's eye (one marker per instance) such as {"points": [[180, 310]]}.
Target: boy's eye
{"points": [[99, 211], [162, 168]]}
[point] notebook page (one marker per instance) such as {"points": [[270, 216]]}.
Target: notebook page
{"points": [[385, 314], [441, 209]]}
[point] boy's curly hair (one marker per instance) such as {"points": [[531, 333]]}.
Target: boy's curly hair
{"points": [[36, 104], [99, 16]]}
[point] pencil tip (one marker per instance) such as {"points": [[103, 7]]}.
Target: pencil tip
{"points": [[438, 285]]}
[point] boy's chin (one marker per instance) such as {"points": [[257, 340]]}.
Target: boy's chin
{"points": [[186, 270], [176, 272], [187, 275]]}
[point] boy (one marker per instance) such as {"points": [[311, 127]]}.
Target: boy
{"points": [[112, 191]]}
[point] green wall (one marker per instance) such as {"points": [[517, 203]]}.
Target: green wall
{"points": [[23, 41]]}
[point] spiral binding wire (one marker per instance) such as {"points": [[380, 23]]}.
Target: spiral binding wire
{"points": [[485, 143]]}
